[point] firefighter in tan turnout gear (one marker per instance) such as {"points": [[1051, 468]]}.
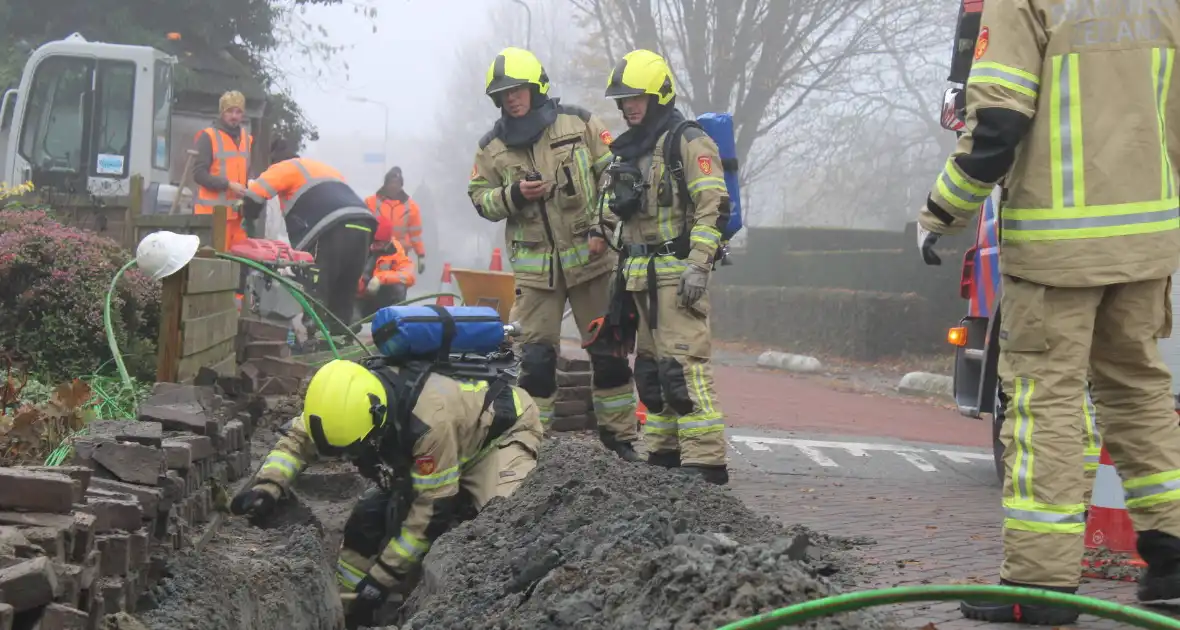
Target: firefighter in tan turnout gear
{"points": [[670, 229], [438, 449], [1074, 105], [538, 170]]}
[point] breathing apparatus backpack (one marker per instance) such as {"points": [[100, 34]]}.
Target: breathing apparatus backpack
{"points": [[719, 127], [466, 343]]}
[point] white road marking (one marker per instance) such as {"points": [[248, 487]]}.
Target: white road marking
{"points": [[811, 450], [965, 457]]}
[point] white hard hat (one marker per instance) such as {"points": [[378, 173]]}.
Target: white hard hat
{"points": [[161, 254]]}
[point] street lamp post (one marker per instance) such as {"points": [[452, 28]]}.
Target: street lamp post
{"points": [[528, 34], [385, 142]]}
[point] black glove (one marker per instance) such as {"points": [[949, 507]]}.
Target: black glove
{"points": [[926, 241], [370, 596], [256, 503]]}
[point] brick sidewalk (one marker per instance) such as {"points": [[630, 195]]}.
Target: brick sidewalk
{"points": [[927, 534]]}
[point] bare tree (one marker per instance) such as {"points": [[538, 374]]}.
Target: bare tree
{"points": [[761, 60]]}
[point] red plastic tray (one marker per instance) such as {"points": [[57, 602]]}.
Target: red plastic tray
{"points": [[268, 251]]}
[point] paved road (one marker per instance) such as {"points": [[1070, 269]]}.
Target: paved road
{"points": [[916, 478]]}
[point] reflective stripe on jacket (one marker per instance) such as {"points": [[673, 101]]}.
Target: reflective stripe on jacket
{"points": [[291, 179], [406, 219], [1076, 104], [231, 161]]}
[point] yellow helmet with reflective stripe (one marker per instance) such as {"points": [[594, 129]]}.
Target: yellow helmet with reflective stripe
{"points": [[513, 67], [642, 72], [344, 403]]}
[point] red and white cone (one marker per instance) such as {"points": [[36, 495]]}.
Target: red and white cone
{"points": [[1110, 536], [446, 287]]}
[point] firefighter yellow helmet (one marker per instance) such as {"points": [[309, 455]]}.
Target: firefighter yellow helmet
{"points": [[642, 72], [513, 67], [344, 403]]}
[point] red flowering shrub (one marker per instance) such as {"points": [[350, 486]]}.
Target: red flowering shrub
{"points": [[53, 285]]}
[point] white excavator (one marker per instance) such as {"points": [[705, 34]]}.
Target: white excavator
{"points": [[87, 116]]}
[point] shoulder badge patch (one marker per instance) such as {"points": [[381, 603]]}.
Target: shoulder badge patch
{"points": [[981, 43], [706, 164], [425, 465], [606, 137]]}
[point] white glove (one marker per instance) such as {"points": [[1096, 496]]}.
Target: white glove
{"points": [[287, 271], [926, 241], [373, 287]]}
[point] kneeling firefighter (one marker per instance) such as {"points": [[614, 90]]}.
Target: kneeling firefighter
{"points": [[665, 187], [431, 442], [389, 272], [537, 170], [324, 216]]}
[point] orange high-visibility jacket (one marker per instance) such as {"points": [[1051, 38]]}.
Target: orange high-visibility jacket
{"points": [[406, 219], [395, 268], [290, 179], [231, 161]]}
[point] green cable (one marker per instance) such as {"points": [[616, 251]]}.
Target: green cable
{"points": [[806, 611]]}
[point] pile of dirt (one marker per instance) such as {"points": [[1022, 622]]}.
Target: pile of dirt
{"points": [[589, 541], [247, 578]]}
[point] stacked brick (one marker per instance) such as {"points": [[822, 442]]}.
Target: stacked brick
{"points": [[574, 406], [82, 541], [265, 358]]}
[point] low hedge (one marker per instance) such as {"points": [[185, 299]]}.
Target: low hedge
{"points": [[860, 325], [53, 285]]}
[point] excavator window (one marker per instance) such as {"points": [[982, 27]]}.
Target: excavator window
{"points": [[52, 137], [162, 117], [114, 103]]}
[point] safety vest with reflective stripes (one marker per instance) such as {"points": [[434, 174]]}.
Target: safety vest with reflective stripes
{"points": [[1084, 99], [290, 179], [231, 161], [394, 268], [404, 217]]}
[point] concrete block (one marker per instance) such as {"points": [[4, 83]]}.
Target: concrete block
{"points": [[81, 474], [131, 462], [91, 566], [149, 497], [188, 416], [115, 514], [146, 433], [280, 386], [59, 617], [927, 384], [116, 554], [180, 393], [237, 434], [34, 491], [574, 393], [256, 329], [14, 543], [274, 366], [69, 580], [33, 519], [263, 349], [29, 584], [201, 446], [114, 598], [584, 422], [177, 455], [83, 535], [570, 408], [139, 549], [96, 608], [567, 363], [54, 541], [574, 379], [789, 362]]}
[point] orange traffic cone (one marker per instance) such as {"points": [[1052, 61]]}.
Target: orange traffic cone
{"points": [[446, 287], [497, 261], [1110, 536]]}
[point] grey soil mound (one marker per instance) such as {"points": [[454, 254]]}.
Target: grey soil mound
{"points": [[253, 579], [591, 542]]}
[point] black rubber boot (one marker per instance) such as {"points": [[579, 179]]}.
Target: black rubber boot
{"points": [[625, 450], [1026, 614], [1161, 580], [713, 474], [664, 459]]}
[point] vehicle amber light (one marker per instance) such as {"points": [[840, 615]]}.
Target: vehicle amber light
{"points": [[957, 336]]}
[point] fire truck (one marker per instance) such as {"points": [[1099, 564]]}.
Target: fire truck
{"points": [[976, 337]]}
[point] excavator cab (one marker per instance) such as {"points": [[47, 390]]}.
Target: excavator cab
{"points": [[87, 116]]}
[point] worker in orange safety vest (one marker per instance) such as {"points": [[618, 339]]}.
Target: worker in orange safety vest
{"points": [[222, 165], [324, 217], [388, 274], [393, 203]]}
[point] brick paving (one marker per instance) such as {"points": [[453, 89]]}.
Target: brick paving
{"points": [[926, 533]]}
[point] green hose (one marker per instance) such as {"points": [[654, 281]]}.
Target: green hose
{"points": [[112, 343], [799, 613]]}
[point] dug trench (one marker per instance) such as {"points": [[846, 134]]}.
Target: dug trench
{"points": [[588, 541]]}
